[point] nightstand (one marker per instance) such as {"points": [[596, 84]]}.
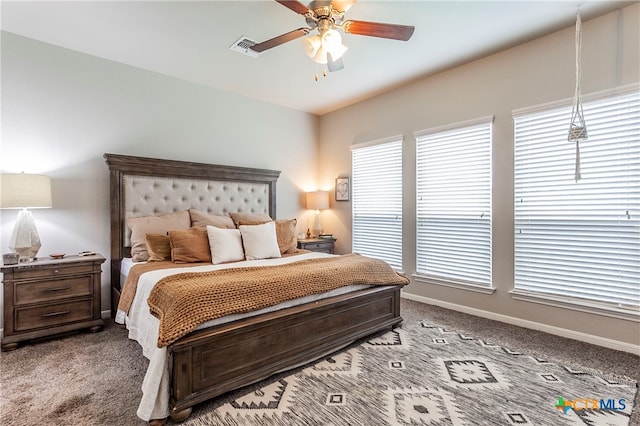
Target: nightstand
{"points": [[51, 296], [324, 245]]}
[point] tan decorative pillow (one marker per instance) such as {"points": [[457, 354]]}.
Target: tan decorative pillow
{"points": [[249, 218], [203, 219], [286, 234], [158, 247], [190, 245], [141, 226]]}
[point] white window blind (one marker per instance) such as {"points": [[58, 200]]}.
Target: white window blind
{"points": [[453, 168], [579, 241], [377, 201]]}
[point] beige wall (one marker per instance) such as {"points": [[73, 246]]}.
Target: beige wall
{"points": [[62, 110], [534, 73]]}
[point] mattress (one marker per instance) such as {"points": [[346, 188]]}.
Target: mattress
{"points": [[125, 266]]}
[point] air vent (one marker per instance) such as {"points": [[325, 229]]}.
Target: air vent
{"points": [[242, 45]]}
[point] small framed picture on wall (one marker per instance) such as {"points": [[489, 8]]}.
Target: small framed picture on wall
{"points": [[342, 189]]}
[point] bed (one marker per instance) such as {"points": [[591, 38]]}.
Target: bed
{"points": [[216, 359]]}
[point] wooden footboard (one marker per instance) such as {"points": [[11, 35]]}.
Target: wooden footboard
{"points": [[210, 362]]}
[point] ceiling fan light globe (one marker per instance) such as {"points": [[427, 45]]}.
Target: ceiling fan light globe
{"points": [[337, 51], [321, 56], [311, 45], [332, 42], [331, 38]]}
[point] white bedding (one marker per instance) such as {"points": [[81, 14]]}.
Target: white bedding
{"points": [[126, 265], [143, 327]]}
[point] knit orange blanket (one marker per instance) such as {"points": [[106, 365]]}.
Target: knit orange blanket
{"points": [[131, 283], [184, 301]]}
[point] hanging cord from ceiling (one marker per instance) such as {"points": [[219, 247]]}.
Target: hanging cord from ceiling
{"points": [[578, 127]]}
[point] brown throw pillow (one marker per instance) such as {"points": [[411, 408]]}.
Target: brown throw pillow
{"points": [[202, 219], [141, 226], [190, 245], [286, 234], [249, 218], [158, 247]]}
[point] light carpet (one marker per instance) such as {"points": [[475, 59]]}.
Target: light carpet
{"points": [[94, 379], [424, 374]]}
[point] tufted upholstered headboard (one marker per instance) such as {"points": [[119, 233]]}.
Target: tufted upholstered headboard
{"points": [[141, 186]]}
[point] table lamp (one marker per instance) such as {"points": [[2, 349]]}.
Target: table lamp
{"points": [[24, 191], [317, 200]]}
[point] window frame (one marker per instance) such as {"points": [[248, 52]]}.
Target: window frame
{"points": [[389, 239], [458, 130], [556, 299]]}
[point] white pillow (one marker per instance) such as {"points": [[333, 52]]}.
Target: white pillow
{"points": [[260, 241], [225, 245]]}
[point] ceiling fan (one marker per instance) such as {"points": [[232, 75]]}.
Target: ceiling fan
{"points": [[325, 16]]}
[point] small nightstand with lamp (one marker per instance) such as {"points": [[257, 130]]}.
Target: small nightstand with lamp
{"points": [[47, 296], [316, 240]]}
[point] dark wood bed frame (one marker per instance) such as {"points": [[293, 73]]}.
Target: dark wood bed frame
{"points": [[210, 362]]}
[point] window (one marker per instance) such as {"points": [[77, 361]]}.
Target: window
{"points": [[453, 168], [578, 242], [377, 201]]}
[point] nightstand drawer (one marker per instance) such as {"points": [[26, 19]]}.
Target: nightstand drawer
{"points": [[27, 273], [53, 314], [318, 246], [322, 245], [42, 291]]}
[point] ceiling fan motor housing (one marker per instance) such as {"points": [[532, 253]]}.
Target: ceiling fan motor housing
{"points": [[323, 13]]}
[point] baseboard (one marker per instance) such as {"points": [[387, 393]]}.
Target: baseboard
{"points": [[562, 332]]}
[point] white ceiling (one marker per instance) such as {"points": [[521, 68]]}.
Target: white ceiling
{"points": [[190, 40]]}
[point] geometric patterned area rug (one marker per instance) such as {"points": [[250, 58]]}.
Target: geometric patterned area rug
{"points": [[422, 374]]}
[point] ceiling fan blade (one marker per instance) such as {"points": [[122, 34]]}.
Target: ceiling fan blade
{"points": [[294, 5], [281, 39], [378, 29], [336, 65], [342, 5]]}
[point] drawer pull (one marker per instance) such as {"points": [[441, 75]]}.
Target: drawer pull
{"points": [[55, 314], [56, 271], [49, 290]]}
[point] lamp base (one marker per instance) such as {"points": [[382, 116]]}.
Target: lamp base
{"points": [[25, 239], [317, 225]]}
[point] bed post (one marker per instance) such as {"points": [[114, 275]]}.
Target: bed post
{"points": [[116, 254]]}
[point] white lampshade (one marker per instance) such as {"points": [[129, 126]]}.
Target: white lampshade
{"points": [[22, 191], [318, 200]]}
